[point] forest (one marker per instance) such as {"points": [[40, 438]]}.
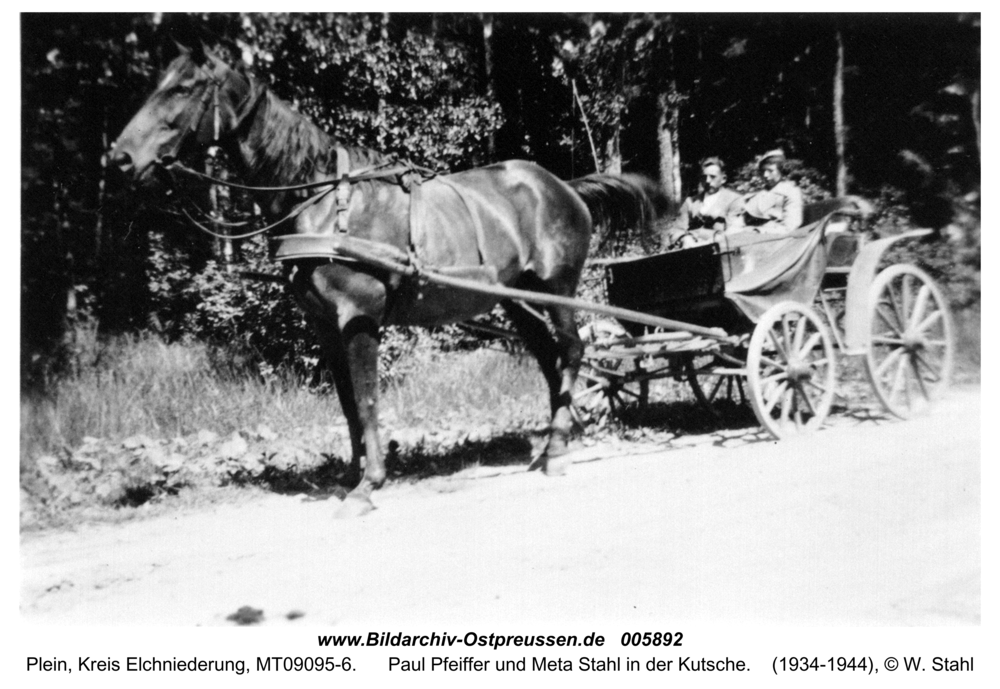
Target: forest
{"points": [[885, 106]]}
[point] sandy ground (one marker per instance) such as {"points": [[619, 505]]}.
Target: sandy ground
{"points": [[871, 522]]}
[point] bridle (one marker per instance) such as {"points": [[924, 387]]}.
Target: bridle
{"points": [[195, 123]]}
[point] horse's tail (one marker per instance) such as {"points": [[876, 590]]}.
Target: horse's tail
{"points": [[620, 203]]}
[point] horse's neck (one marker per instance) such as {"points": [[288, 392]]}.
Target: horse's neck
{"points": [[282, 147]]}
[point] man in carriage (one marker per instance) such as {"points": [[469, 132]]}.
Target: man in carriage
{"points": [[715, 208]]}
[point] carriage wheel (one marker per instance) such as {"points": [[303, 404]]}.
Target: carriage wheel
{"points": [[628, 394], [615, 388], [791, 370], [713, 390], [910, 357]]}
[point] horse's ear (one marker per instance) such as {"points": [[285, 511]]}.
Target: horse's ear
{"points": [[184, 50]]}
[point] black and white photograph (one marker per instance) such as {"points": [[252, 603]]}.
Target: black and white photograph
{"points": [[448, 334]]}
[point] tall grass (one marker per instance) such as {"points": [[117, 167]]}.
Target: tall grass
{"points": [[132, 385], [141, 385], [476, 387]]}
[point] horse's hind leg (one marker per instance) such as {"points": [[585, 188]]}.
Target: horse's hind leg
{"points": [[559, 359], [569, 353]]}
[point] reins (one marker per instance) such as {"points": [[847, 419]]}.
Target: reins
{"points": [[369, 173], [365, 174]]}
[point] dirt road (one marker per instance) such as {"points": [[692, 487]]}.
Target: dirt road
{"points": [[871, 522]]}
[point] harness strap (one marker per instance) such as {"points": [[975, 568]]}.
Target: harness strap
{"points": [[343, 195]]}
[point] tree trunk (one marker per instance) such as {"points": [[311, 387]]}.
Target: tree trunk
{"points": [[669, 155], [668, 131], [101, 189], [613, 152], [839, 129], [977, 114], [586, 125], [487, 19]]}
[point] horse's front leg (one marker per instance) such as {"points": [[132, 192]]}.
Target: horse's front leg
{"points": [[360, 344], [346, 307], [337, 362]]}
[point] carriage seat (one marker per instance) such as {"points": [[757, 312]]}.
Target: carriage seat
{"points": [[842, 246], [845, 207]]}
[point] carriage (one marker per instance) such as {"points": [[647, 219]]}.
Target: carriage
{"points": [[769, 317]]}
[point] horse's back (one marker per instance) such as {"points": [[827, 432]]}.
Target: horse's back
{"points": [[498, 223], [524, 208]]}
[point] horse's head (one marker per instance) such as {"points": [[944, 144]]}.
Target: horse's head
{"points": [[199, 100]]}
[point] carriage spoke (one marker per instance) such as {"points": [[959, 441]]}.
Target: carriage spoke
{"points": [[891, 319], [715, 388], [931, 320], [586, 392], [887, 341], [823, 390], [931, 369], [786, 405], [808, 402], [907, 303], [775, 397], [772, 378], [896, 305], [899, 381], [888, 361], [778, 346], [786, 336], [921, 383], [800, 333], [772, 363], [811, 343], [919, 308]]}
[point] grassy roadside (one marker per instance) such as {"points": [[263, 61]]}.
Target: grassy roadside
{"points": [[141, 420]]}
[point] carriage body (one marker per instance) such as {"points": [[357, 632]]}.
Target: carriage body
{"points": [[784, 334]]}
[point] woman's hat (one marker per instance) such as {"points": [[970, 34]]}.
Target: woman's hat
{"points": [[775, 156]]}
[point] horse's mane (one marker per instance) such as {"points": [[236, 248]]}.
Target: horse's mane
{"points": [[290, 148]]}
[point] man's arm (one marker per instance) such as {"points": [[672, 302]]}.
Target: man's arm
{"points": [[683, 220]]}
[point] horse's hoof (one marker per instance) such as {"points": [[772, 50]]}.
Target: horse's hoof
{"points": [[556, 466], [354, 506]]}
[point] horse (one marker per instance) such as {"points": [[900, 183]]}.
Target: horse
{"points": [[512, 224]]}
